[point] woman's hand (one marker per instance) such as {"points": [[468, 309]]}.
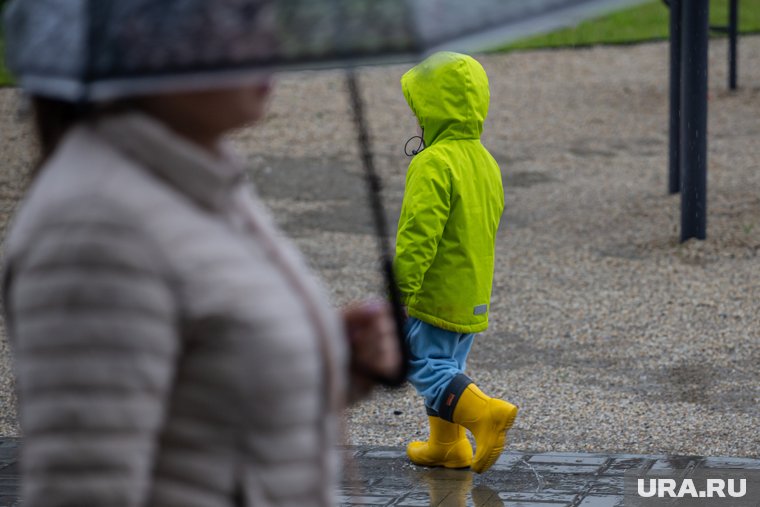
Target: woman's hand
{"points": [[374, 345]]}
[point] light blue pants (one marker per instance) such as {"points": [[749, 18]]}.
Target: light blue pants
{"points": [[436, 356]]}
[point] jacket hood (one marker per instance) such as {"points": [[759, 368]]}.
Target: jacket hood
{"points": [[448, 92]]}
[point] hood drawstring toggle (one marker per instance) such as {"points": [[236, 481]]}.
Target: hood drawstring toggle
{"points": [[419, 148]]}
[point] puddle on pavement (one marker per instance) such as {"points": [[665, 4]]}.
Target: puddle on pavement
{"points": [[524, 179], [333, 184]]}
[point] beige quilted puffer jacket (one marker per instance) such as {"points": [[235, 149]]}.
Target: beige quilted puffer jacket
{"points": [[171, 348]]}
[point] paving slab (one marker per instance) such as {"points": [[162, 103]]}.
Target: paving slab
{"points": [[382, 476]]}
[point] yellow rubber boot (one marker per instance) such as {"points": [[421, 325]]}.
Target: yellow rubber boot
{"points": [[488, 419], [447, 446]]}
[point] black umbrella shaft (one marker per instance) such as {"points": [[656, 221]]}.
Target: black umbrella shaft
{"points": [[374, 189]]}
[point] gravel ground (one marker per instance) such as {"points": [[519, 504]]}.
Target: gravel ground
{"points": [[610, 335]]}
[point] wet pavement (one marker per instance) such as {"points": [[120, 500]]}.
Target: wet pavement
{"points": [[9, 472], [382, 476]]}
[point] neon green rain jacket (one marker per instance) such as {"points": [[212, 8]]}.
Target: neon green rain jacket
{"points": [[453, 199]]}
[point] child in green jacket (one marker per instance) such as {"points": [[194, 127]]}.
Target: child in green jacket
{"points": [[444, 261]]}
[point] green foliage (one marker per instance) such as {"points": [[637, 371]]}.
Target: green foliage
{"points": [[5, 78], [646, 22]]}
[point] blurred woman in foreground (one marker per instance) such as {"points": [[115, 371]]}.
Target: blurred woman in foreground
{"points": [[171, 348]]}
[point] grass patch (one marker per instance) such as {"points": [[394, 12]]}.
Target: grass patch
{"points": [[5, 77], [645, 22]]}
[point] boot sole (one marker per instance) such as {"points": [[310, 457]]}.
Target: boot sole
{"points": [[444, 464], [496, 447], [438, 465], [431, 464]]}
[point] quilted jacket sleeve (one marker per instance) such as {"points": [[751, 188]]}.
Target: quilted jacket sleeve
{"points": [[424, 213], [93, 331]]}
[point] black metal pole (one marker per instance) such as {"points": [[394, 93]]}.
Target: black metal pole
{"points": [[674, 167], [733, 34], [695, 28]]}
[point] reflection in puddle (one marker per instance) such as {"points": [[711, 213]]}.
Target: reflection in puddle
{"points": [[450, 488]]}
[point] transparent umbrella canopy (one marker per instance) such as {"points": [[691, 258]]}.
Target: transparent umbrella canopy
{"points": [[105, 49], [89, 51]]}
